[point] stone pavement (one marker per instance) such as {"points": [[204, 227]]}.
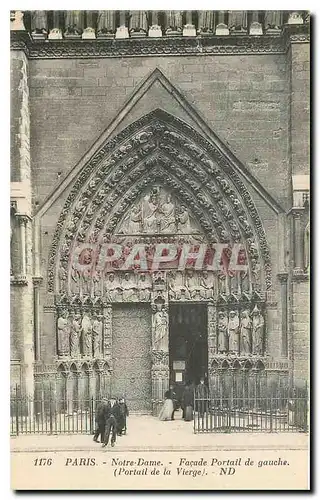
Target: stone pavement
{"points": [[147, 433]]}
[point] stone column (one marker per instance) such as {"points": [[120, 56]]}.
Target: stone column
{"points": [[155, 29], [39, 24], [107, 334], [23, 220], [89, 31], [122, 30], [138, 23], [212, 336], [283, 278], [206, 20], [189, 28], [297, 239], [36, 305], [56, 32]]}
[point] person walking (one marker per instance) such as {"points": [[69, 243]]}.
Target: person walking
{"points": [[101, 418], [123, 414]]}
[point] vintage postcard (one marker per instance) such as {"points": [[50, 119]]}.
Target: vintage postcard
{"points": [[160, 255]]}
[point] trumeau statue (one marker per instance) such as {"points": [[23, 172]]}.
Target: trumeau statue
{"points": [[245, 333], [63, 334], [257, 331], [160, 328], [97, 335], [223, 339], [75, 335], [86, 326], [234, 332]]}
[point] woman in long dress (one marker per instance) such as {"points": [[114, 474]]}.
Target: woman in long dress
{"points": [[167, 409]]}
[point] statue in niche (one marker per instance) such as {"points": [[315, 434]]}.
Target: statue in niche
{"points": [[160, 328], [206, 285], [113, 288], [257, 331], [184, 226], [129, 287], [234, 332], [168, 220], [245, 333], [86, 327], [75, 335], [63, 334], [97, 335], [134, 223], [144, 286], [223, 338], [86, 280], [149, 211], [306, 247]]}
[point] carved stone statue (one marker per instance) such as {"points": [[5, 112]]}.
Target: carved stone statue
{"points": [[86, 327], [134, 222], [257, 331], [75, 335], [206, 285], [184, 221], [113, 288], [129, 288], [138, 23], [74, 22], [106, 23], [39, 22], [173, 21], [168, 221], [234, 332], [160, 328], [97, 335], [206, 21], [273, 19], [63, 334], [177, 286], [237, 20], [223, 338], [245, 333], [193, 285], [150, 209], [144, 286]]}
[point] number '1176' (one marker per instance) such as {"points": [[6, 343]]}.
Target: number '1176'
{"points": [[43, 461]]}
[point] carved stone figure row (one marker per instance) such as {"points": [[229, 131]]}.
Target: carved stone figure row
{"points": [[128, 287], [189, 285], [242, 334], [104, 22], [80, 334]]}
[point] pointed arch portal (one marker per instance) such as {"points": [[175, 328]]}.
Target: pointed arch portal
{"points": [[159, 182]]}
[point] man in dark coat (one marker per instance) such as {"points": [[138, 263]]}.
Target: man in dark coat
{"points": [[111, 423], [202, 394], [101, 418], [187, 402], [124, 413]]}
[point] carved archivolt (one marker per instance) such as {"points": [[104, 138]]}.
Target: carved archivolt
{"points": [[158, 153]]}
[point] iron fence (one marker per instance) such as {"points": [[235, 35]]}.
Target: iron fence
{"points": [[269, 414]]}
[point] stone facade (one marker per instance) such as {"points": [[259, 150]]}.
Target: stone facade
{"points": [[212, 131]]}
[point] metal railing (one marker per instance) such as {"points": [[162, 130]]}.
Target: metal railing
{"points": [[268, 414]]}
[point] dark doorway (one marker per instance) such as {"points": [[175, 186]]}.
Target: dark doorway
{"points": [[188, 343]]}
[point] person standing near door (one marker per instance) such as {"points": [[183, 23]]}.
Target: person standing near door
{"points": [[202, 395], [102, 414], [187, 403], [111, 423]]}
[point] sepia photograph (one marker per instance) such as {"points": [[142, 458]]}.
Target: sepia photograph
{"points": [[159, 249]]}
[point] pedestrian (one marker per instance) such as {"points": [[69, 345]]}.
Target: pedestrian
{"points": [[123, 414], [101, 417], [202, 394], [111, 423], [187, 403], [167, 409], [173, 396]]}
